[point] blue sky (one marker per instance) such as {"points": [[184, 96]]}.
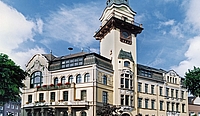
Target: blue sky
{"points": [[170, 39]]}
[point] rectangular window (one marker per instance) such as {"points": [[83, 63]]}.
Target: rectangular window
{"points": [[172, 92], [161, 105], [8, 106], [131, 101], [12, 107], [167, 106], [146, 103], [52, 96], [127, 100], [29, 98], [127, 83], [65, 95], [161, 89], [105, 97], [167, 92], [183, 108], [122, 82], [182, 94], [139, 102], [176, 94], [172, 107], [131, 84], [41, 97], [146, 88], [122, 100], [152, 104], [139, 87], [177, 107], [152, 89], [83, 95]]}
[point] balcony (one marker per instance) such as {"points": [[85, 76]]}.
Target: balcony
{"points": [[58, 104], [78, 103], [36, 104], [53, 87]]}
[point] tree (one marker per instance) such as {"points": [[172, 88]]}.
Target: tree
{"points": [[11, 77], [192, 81]]}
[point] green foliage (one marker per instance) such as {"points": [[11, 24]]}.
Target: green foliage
{"points": [[11, 77], [192, 81]]}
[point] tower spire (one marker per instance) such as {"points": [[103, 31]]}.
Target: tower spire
{"points": [[110, 2]]}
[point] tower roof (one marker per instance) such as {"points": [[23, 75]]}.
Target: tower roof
{"points": [[110, 2]]}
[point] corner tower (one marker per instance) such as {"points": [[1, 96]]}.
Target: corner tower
{"points": [[117, 36]]}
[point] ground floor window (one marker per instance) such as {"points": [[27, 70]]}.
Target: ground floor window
{"points": [[83, 113]]}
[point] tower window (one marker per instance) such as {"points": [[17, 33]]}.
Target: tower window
{"points": [[126, 64], [104, 78], [105, 97]]}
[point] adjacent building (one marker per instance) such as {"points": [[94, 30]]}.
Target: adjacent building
{"points": [[11, 108], [79, 84], [194, 106]]}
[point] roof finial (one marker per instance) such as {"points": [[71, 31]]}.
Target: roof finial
{"points": [[110, 2]]}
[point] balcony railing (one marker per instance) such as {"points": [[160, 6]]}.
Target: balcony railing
{"points": [[53, 87], [61, 103]]}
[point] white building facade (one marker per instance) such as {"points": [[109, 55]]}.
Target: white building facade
{"points": [[80, 84]]}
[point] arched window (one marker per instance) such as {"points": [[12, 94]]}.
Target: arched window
{"points": [[104, 79], [78, 78], [70, 80], [63, 80], [87, 77], [126, 64], [36, 79], [83, 113], [56, 81]]}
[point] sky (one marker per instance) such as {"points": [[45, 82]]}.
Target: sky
{"points": [[170, 39]]}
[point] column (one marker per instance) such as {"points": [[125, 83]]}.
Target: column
{"points": [[42, 112], [32, 112], [69, 111]]}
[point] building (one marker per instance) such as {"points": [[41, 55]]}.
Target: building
{"points": [[69, 85], [161, 93], [194, 106], [79, 84], [11, 108]]}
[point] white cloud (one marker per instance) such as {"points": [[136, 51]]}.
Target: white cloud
{"points": [[192, 56], [177, 31], [22, 58], [159, 15], [39, 26], [168, 23], [75, 25], [192, 24], [14, 30], [193, 15]]}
